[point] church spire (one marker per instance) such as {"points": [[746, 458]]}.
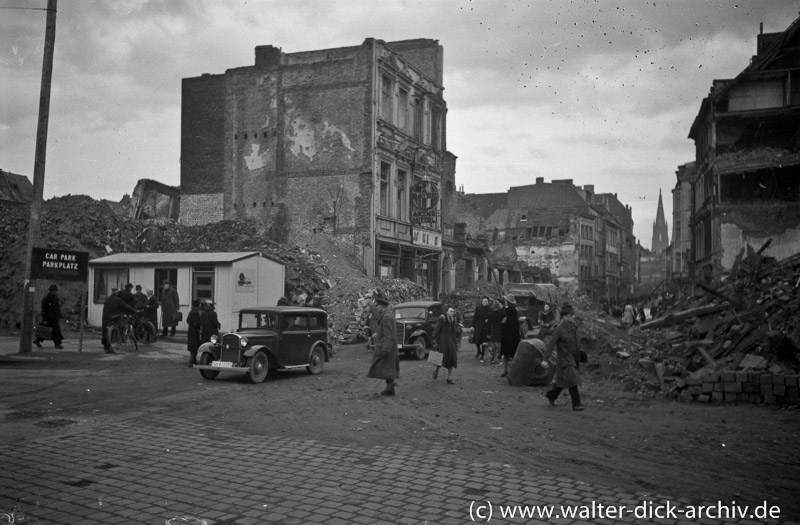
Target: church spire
{"points": [[660, 233]]}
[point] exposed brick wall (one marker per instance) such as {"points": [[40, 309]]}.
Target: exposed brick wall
{"points": [[744, 387], [426, 55], [201, 209], [202, 134]]}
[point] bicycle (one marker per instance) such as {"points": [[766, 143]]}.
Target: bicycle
{"points": [[143, 330], [120, 335]]}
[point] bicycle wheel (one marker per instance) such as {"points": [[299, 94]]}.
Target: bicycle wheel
{"points": [[114, 337], [145, 332], [129, 339]]}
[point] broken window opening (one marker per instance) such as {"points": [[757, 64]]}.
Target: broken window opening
{"points": [[763, 185]]}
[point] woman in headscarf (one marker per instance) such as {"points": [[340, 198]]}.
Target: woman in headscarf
{"points": [[480, 326], [445, 340], [509, 338]]}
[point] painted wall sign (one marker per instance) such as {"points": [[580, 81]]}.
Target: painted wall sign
{"points": [[425, 203], [59, 265], [430, 239]]}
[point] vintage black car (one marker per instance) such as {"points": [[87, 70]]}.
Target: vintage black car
{"points": [[269, 338], [414, 324]]}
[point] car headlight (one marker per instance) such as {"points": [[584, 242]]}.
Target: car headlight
{"points": [[243, 341], [214, 339]]}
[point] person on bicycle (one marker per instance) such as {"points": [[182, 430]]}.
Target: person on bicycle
{"points": [[113, 305]]}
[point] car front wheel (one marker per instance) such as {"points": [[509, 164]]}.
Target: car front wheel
{"points": [[317, 361], [420, 350], [205, 360], [258, 368]]}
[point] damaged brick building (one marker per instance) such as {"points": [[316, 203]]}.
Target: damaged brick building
{"points": [[585, 240], [746, 187], [350, 141]]}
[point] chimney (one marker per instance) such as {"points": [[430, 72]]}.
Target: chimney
{"points": [[268, 56], [539, 180], [589, 188]]}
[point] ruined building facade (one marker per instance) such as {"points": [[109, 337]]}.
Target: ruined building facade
{"points": [[350, 141], [582, 239], [681, 248], [746, 190]]}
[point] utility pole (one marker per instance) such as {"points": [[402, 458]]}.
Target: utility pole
{"points": [[34, 227]]}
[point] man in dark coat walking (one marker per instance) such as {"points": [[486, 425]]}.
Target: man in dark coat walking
{"points": [[568, 350], [51, 315], [385, 358]]}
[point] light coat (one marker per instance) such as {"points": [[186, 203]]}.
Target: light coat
{"points": [[568, 353], [385, 358]]}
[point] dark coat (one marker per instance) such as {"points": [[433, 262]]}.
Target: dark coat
{"points": [[209, 325], [496, 325], [480, 324], [193, 334], [509, 338], [151, 310], [51, 309], [169, 305], [51, 314], [385, 358], [139, 301], [445, 337], [568, 353], [127, 296], [113, 305]]}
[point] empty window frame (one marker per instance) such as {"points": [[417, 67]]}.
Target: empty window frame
{"points": [[387, 87], [384, 189]]}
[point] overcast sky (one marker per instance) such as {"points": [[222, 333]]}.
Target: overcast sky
{"points": [[601, 92]]}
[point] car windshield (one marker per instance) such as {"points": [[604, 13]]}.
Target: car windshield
{"points": [[258, 319], [410, 312]]}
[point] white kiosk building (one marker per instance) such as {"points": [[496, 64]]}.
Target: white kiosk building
{"points": [[233, 280]]}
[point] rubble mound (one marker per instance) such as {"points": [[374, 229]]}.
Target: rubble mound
{"points": [[333, 281]]}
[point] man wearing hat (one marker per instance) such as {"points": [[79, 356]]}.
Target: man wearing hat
{"points": [[385, 358], [170, 307], [565, 341], [126, 294], [509, 335], [113, 305], [51, 314], [139, 298]]}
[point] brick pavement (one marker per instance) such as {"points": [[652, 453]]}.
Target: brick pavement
{"points": [[158, 470]]}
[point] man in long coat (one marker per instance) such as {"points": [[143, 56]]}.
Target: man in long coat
{"points": [[151, 309], [51, 314], [385, 358], [193, 332], [170, 305], [565, 342]]}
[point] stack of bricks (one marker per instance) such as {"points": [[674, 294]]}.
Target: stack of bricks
{"points": [[744, 387]]}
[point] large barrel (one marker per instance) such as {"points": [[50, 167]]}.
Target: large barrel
{"points": [[525, 368]]}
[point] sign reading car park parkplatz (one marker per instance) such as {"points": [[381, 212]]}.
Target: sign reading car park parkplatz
{"points": [[59, 265]]}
